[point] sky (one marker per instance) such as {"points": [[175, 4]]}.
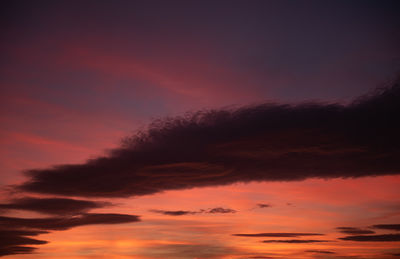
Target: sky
{"points": [[199, 129]]}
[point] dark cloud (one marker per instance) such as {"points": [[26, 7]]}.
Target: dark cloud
{"points": [[56, 206], [263, 205], [15, 232], [320, 252], [187, 212], [221, 210], [294, 241], [354, 231], [278, 235], [174, 212], [11, 250], [63, 223], [388, 226], [378, 238], [15, 241], [268, 142]]}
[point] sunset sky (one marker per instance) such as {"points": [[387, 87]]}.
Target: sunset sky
{"points": [[200, 129]]}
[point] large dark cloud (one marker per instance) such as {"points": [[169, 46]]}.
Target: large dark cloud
{"points": [[269, 142], [354, 231], [379, 238], [387, 226], [278, 235], [56, 206]]}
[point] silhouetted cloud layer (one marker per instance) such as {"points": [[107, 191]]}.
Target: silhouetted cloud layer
{"points": [[294, 241], [56, 206], [174, 212], [14, 241], [63, 223], [14, 232], [278, 235], [320, 251], [269, 142], [379, 238], [354, 231], [187, 212], [388, 226]]}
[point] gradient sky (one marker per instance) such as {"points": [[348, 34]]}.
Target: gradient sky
{"points": [[140, 101]]}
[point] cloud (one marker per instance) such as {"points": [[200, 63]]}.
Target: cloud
{"points": [[63, 223], [56, 206], [11, 250], [221, 210], [320, 251], [187, 212], [354, 231], [268, 142], [294, 241], [378, 238], [263, 205], [174, 212], [278, 235], [15, 232], [14, 241], [388, 226]]}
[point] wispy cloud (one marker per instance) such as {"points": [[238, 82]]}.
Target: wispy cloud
{"points": [[263, 205], [395, 227], [278, 235], [187, 212], [56, 206], [174, 212], [354, 230], [63, 223], [377, 238], [295, 241], [320, 251]]}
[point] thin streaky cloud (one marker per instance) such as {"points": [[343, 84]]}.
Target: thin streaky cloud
{"points": [[277, 235], [354, 231], [55, 206], [373, 238]]}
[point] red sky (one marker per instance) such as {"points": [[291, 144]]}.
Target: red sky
{"points": [[77, 78]]}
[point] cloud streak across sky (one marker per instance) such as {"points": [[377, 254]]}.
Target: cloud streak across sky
{"points": [[55, 206], [278, 235], [268, 142]]}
